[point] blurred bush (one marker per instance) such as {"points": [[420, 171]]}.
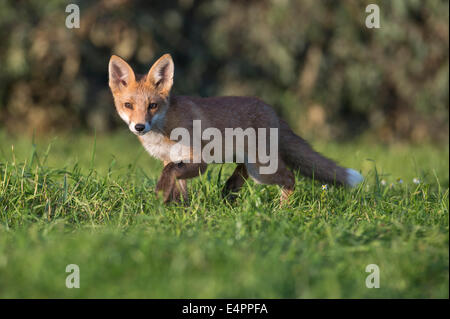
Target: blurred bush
{"points": [[314, 61]]}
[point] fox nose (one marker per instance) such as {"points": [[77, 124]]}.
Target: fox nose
{"points": [[139, 127]]}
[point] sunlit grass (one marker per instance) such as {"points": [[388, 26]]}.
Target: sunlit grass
{"points": [[90, 201]]}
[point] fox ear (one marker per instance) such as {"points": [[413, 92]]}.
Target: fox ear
{"points": [[120, 73], [161, 74]]}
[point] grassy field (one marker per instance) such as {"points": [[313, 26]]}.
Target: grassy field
{"points": [[90, 201]]}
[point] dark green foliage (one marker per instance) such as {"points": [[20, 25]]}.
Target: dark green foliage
{"points": [[314, 61]]}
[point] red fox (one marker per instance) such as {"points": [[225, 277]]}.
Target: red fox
{"points": [[144, 102]]}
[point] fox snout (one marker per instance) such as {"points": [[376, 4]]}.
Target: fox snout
{"points": [[139, 128]]}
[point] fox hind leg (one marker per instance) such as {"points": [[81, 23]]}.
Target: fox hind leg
{"points": [[282, 177], [235, 182]]}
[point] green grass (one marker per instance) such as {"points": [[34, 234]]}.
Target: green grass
{"points": [[90, 202]]}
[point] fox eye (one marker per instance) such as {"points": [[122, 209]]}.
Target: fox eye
{"points": [[152, 106], [128, 105]]}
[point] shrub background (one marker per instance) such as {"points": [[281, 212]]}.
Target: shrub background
{"points": [[314, 61]]}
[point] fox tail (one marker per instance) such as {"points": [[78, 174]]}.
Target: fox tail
{"points": [[299, 155]]}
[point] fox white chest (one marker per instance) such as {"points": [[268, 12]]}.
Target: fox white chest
{"points": [[164, 149], [157, 145]]}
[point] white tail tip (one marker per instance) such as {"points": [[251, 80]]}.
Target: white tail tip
{"points": [[353, 177]]}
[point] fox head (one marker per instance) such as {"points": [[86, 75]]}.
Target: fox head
{"points": [[141, 101]]}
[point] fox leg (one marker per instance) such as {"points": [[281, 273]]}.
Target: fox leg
{"points": [[235, 182], [179, 190], [282, 177], [177, 171]]}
